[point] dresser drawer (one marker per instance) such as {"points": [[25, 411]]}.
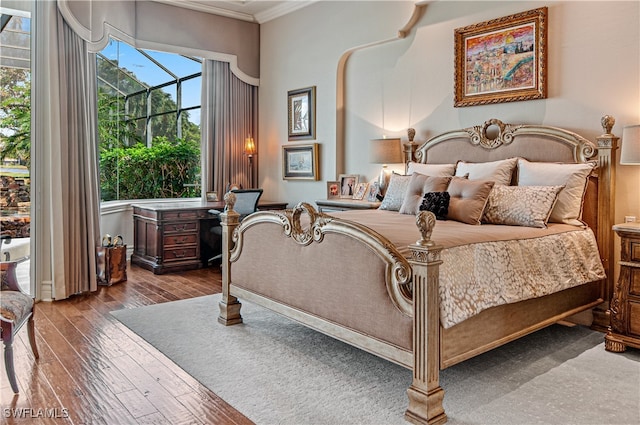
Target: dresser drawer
{"points": [[634, 251], [634, 281], [188, 226], [180, 253], [182, 215], [634, 318], [180, 239]]}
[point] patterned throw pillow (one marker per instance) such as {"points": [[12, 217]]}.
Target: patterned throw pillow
{"points": [[520, 205], [395, 192], [437, 203]]}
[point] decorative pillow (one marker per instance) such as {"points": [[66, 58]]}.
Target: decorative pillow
{"points": [[395, 192], [419, 184], [520, 205], [431, 169], [498, 171], [574, 178], [437, 203], [468, 199]]}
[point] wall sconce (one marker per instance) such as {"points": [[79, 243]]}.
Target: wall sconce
{"points": [[385, 151], [630, 150], [250, 150]]}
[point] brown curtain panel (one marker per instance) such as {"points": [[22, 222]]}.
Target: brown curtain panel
{"points": [[229, 116]]}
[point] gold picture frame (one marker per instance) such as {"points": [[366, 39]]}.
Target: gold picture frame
{"points": [[300, 162], [301, 113], [502, 60]]}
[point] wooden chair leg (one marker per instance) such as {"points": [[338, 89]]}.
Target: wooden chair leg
{"points": [[8, 363], [31, 331]]}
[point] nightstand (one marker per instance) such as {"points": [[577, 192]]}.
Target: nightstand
{"points": [[624, 309], [344, 204]]}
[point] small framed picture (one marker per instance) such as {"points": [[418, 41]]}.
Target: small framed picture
{"points": [[333, 190], [373, 192], [301, 106], [212, 196], [300, 162], [348, 183], [361, 190]]}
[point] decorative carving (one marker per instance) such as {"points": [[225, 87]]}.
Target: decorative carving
{"points": [[426, 221], [479, 136], [229, 201], [607, 123], [411, 133]]}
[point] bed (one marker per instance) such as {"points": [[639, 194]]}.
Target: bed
{"points": [[428, 293]]}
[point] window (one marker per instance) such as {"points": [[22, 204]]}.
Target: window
{"points": [[148, 123], [15, 140]]}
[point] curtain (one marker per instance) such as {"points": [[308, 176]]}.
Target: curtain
{"points": [[229, 116], [65, 157]]}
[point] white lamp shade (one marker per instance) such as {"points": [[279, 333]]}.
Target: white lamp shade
{"points": [[385, 151], [630, 151]]}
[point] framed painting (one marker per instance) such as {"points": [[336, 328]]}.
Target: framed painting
{"points": [[348, 183], [301, 112], [300, 162], [502, 60]]}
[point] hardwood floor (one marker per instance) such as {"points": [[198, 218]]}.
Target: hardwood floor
{"points": [[94, 370]]}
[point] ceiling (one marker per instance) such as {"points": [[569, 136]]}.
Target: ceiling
{"points": [[259, 11]]}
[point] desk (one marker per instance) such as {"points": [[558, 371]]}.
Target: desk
{"points": [[174, 236]]}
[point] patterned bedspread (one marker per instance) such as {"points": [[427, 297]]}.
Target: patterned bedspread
{"points": [[489, 265]]}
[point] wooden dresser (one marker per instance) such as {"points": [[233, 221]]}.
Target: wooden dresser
{"points": [[625, 304], [168, 236]]}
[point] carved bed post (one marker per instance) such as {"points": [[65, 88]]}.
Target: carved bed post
{"points": [[229, 305], [425, 393], [607, 145]]}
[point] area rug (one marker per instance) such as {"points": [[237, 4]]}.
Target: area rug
{"points": [[276, 371]]}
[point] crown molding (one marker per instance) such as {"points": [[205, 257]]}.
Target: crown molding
{"points": [[282, 9], [274, 12]]}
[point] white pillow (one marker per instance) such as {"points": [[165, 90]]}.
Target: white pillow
{"points": [[574, 177], [499, 171], [436, 170]]}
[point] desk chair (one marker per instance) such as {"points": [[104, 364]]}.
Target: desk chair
{"points": [[246, 203], [16, 309]]}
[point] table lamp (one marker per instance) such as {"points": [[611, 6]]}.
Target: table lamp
{"points": [[385, 151], [630, 150]]}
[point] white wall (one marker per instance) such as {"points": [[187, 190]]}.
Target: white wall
{"points": [[593, 70]]}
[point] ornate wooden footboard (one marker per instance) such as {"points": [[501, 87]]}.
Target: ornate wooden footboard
{"points": [[332, 296]]}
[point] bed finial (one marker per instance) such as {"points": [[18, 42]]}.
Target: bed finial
{"points": [[409, 148], [229, 201], [607, 123], [426, 221]]}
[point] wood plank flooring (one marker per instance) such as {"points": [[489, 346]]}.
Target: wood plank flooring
{"points": [[94, 370]]}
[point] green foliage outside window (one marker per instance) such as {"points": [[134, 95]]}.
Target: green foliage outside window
{"points": [[164, 170], [15, 115]]}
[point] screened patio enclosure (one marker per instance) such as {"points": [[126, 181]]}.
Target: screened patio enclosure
{"points": [[147, 98]]}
